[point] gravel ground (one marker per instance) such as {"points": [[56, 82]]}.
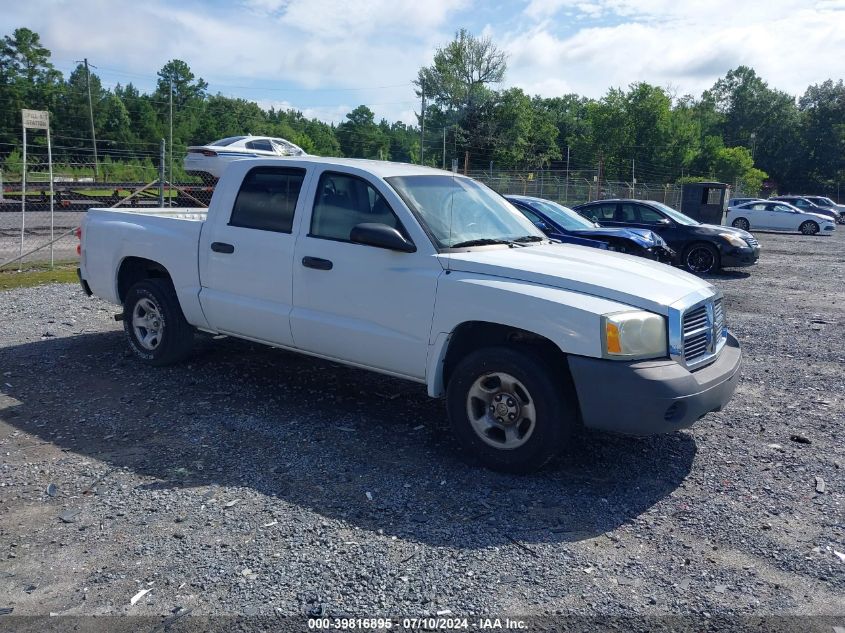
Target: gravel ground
{"points": [[254, 481]]}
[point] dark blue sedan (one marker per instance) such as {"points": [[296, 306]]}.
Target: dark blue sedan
{"points": [[562, 223]]}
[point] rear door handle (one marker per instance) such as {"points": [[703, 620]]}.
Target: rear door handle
{"points": [[222, 247], [317, 262]]}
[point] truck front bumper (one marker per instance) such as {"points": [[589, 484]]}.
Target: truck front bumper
{"points": [[656, 396]]}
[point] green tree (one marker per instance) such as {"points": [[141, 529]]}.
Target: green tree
{"points": [[758, 117], [525, 134], [360, 137], [823, 135], [27, 80], [458, 83]]}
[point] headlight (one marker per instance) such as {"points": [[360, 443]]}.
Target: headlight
{"points": [[633, 335], [734, 240]]}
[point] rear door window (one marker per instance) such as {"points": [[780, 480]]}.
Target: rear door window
{"points": [[267, 199]]}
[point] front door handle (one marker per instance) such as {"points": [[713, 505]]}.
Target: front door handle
{"points": [[317, 262], [222, 247]]}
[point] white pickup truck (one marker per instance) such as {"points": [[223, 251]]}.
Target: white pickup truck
{"points": [[429, 276]]}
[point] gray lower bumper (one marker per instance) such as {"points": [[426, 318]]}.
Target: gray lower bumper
{"points": [[647, 397]]}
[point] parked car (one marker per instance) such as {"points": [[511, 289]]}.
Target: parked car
{"points": [[703, 248], [562, 223], [734, 202], [427, 276], [209, 161], [803, 204], [826, 203], [772, 215]]}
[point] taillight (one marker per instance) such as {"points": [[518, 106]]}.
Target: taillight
{"points": [[78, 233], [208, 152]]}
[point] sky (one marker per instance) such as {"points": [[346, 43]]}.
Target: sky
{"points": [[324, 57]]}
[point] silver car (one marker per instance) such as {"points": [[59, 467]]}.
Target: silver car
{"points": [[209, 161]]}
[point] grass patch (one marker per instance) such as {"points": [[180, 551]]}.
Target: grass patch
{"points": [[37, 275]]}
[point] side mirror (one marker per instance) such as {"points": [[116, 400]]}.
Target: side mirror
{"points": [[665, 221], [381, 236]]}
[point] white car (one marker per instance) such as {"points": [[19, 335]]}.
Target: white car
{"points": [[209, 161], [778, 216]]}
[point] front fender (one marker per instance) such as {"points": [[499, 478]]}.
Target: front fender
{"points": [[571, 320]]}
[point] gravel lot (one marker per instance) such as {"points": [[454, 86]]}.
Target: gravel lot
{"points": [[254, 481]]}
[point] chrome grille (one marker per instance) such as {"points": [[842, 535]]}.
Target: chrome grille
{"points": [[701, 332], [718, 316], [752, 241], [696, 329]]}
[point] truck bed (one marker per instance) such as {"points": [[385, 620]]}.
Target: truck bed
{"points": [[169, 236], [175, 213]]}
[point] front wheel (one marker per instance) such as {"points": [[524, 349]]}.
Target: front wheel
{"points": [[154, 324], [741, 223], [510, 409], [809, 228], [701, 259]]}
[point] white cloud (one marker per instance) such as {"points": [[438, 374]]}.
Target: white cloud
{"points": [[788, 42], [312, 44]]}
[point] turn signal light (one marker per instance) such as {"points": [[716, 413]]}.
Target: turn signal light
{"points": [[614, 346]]}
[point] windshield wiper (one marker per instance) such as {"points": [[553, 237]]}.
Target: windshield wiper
{"points": [[489, 241], [484, 241]]}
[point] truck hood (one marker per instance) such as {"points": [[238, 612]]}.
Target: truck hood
{"points": [[634, 281]]}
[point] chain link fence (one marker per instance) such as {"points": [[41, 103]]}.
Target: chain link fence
{"points": [[33, 230], [574, 187], [37, 235]]}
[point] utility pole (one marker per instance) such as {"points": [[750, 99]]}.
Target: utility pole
{"points": [[633, 180], [422, 120], [161, 174], [91, 116], [600, 176], [566, 190], [444, 148], [170, 177]]}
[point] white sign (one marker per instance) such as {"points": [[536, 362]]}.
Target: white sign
{"points": [[36, 119]]}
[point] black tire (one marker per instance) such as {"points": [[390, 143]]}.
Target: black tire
{"points": [[809, 228], [741, 223], [546, 389], [701, 258], [176, 336]]}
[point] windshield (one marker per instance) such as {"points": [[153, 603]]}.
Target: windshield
{"points": [[679, 217], [227, 141], [455, 210], [559, 214]]}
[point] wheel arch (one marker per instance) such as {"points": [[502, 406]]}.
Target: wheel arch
{"points": [[469, 336], [134, 269]]}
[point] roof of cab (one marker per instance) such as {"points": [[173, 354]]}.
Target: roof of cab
{"points": [[380, 168]]}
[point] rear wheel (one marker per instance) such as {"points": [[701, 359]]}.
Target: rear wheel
{"points": [[741, 223], [809, 228], [154, 324], [701, 258], [510, 409]]}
